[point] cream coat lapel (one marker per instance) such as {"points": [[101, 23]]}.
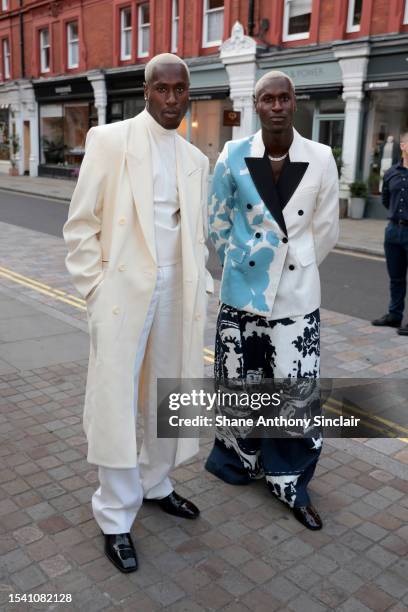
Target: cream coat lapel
{"points": [[139, 166]]}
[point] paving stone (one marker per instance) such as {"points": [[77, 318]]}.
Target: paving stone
{"points": [[28, 578], [353, 605], [329, 594], [377, 500], [55, 566], [236, 555], [213, 598], [380, 556], [14, 561], [42, 549], [392, 584], [257, 571], [374, 597], [304, 603], [235, 583], [395, 544], [40, 511], [7, 506], [372, 531], [346, 580], [321, 564], [165, 593], [390, 493], [281, 588], [261, 601], [28, 534]]}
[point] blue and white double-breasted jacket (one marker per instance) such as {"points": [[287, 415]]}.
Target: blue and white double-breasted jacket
{"points": [[271, 238]]}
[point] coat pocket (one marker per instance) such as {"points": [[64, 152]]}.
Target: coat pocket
{"points": [[306, 256], [96, 290]]}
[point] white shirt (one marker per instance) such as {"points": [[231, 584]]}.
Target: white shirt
{"points": [[165, 193]]}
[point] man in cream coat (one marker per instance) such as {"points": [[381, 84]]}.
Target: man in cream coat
{"points": [[136, 239], [273, 219]]}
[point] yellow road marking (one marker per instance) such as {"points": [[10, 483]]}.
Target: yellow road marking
{"points": [[41, 288], [372, 416]]}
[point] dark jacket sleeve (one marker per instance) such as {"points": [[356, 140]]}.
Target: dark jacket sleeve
{"points": [[385, 193]]}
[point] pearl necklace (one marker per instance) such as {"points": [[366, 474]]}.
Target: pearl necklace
{"points": [[276, 159]]}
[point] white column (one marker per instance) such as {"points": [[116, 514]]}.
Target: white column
{"points": [[238, 54], [97, 80], [353, 60], [18, 129], [30, 113]]}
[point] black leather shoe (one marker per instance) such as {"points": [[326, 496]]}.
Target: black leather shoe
{"points": [[403, 331], [308, 516], [386, 321], [177, 505], [120, 550]]}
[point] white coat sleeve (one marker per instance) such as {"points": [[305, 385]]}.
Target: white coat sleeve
{"points": [[325, 222], [81, 231]]}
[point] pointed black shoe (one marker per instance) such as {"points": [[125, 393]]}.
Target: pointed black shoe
{"points": [[308, 516], [177, 506], [120, 550]]}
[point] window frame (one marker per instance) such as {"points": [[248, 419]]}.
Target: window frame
{"points": [[140, 28], [405, 19], [205, 42], [350, 15], [286, 37], [70, 41], [6, 59], [175, 22], [123, 31], [42, 48]]}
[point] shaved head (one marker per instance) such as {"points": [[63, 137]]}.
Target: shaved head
{"points": [[163, 59], [270, 76]]}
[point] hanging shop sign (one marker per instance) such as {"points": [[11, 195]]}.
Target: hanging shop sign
{"points": [[232, 118]]}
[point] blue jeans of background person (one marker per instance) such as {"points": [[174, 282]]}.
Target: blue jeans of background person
{"points": [[396, 254]]}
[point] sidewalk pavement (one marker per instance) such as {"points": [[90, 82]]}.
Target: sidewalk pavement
{"points": [[246, 551], [361, 236]]}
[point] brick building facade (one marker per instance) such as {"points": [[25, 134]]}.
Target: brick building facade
{"points": [[68, 65]]}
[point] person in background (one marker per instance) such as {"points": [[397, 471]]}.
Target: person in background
{"points": [[395, 200]]}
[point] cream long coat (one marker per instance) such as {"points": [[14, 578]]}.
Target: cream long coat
{"points": [[112, 259]]}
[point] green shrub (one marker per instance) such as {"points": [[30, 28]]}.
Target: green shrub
{"points": [[358, 189]]}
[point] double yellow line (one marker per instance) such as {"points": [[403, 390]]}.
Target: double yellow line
{"points": [[57, 294]]}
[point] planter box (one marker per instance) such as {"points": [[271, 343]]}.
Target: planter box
{"points": [[13, 171], [357, 207]]}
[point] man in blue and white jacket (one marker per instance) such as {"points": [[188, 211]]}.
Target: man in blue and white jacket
{"points": [[273, 218]]}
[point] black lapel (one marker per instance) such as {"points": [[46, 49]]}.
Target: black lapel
{"points": [[289, 179], [261, 174]]}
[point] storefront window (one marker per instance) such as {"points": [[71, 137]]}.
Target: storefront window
{"points": [[203, 126], [387, 120], [63, 132], [303, 119]]}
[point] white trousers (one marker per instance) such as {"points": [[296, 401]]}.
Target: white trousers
{"points": [[116, 502]]}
